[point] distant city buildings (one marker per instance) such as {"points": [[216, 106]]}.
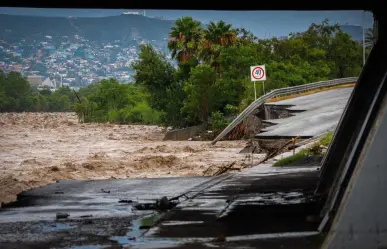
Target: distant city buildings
{"points": [[135, 13], [73, 61], [41, 82]]}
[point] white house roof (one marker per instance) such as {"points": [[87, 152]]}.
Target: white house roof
{"points": [[47, 82]]}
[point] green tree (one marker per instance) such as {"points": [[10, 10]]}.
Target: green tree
{"points": [[199, 89], [235, 62], [43, 104], [4, 102], [216, 37], [65, 103], [319, 35], [158, 77], [17, 91], [346, 55], [65, 90], [155, 74], [184, 38], [46, 92]]}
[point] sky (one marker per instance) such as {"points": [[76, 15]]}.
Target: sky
{"points": [[261, 23]]}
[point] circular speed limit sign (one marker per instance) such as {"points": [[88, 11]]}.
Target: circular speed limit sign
{"points": [[258, 73]]}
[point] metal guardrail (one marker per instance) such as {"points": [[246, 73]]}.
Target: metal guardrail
{"points": [[279, 92]]}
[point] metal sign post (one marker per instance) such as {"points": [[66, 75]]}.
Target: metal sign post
{"points": [[255, 91], [258, 73]]}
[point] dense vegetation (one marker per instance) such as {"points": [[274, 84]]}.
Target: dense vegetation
{"points": [[16, 95], [104, 101], [211, 79]]}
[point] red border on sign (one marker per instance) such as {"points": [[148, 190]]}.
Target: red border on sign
{"points": [[252, 73]]}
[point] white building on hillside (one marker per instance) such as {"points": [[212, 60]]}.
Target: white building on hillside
{"points": [[35, 80], [48, 83]]}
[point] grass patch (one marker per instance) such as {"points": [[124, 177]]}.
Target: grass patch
{"points": [[293, 158], [275, 99], [314, 150], [326, 140]]}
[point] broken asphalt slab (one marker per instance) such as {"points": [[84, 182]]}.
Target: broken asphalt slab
{"points": [[314, 114], [100, 198], [260, 201]]}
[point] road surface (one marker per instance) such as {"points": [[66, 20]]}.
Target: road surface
{"points": [[313, 115], [259, 203]]}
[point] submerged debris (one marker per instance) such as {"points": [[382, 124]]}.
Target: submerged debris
{"points": [[144, 227], [86, 216], [125, 201], [62, 215], [223, 170], [104, 191], [162, 204], [145, 206]]}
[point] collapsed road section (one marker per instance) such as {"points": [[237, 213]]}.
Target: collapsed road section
{"points": [[230, 210], [309, 115]]}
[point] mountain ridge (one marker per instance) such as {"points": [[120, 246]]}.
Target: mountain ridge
{"points": [[105, 29]]}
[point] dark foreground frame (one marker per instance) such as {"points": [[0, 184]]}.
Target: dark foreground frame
{"points": [[355, 130]]}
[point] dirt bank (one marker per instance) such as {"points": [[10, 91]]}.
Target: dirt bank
{"points": [[39, 148]]}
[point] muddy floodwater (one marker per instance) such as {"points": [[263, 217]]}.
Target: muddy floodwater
{"points": [[37, 149]]}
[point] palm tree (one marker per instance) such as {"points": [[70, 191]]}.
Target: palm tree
{"points": [[369, 37], [184, 38], [216, 37]]}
